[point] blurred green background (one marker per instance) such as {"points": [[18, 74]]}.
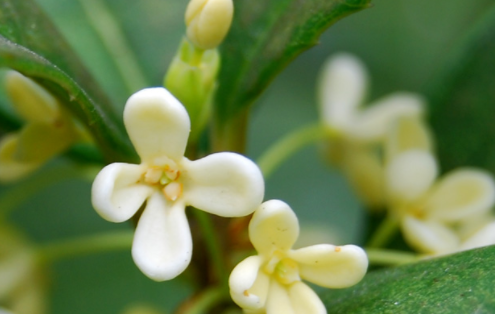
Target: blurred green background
{"points": [[403, 43]]}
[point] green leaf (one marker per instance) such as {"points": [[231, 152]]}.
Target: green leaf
{"points": [[462, 100], [30, 44], [265, 36], [460, 283]]}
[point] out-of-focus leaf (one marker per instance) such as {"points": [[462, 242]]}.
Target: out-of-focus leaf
{"points": [[460, 283], [463, 100], [265, 36], [30, 44]]}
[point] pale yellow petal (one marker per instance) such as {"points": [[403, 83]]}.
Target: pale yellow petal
{"points": [[483, 237], [408, 133], [304, 300], [248, 284], [12, 169], [278, 300]]}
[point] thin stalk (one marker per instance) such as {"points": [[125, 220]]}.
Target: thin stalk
{"points": [[207, 300], [390, 257], [384, 233], [289, 145], [85, 245], [107, 27]]}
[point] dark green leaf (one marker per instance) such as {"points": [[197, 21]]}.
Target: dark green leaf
{"points": [[30, 44], [264, 38], [461, 283], [463, 100]]}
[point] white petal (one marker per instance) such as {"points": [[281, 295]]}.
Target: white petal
{"points": [[157, 123], [224, 184], [342, 87], [373, 122], [278, 300], [461, 193], [116, 194], [483, 237], [410, 175], [162, 246], [429, 236], [33, 102], [331, 266], [304, 300], [249, 285], [274, 226], [10, 168], [408, 133]]}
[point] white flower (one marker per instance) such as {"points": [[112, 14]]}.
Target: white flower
{"points": [[270, 282], [224, 184], [49, 130]]}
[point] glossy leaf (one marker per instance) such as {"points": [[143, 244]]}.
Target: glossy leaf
{"points": [[265, 36], [463, 100], [461, 283], [30, 44]]}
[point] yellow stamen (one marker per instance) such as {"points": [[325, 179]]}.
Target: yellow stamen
{"points": [[172, 191], [153, 175]]}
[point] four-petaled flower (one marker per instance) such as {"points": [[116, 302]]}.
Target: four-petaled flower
{"points": [[225, 184], [270, 282]]}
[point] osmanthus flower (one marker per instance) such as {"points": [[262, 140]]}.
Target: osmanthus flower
{"points": [[48, 131], [358, 132], [224, 184], [271, 282], [432, 210]]}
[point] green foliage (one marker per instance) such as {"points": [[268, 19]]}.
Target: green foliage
{"points": [[265, 36], [463, 100], [461, 283], [30, 44]]}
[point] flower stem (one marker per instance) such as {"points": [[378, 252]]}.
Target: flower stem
{"points": [[290, 144], [108, 29], [212, 245], [206, 300], [390, 257], [385, 231], [85, 245]]}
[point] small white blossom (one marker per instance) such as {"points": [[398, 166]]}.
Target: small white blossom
{"points": [[270, 282], [224, 184]]}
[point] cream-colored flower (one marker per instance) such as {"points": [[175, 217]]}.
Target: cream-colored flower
{"points": [[429, 209], [270, 282], [358, 133], [22, 287], [208, 21], [49, 129], [224, 184]]}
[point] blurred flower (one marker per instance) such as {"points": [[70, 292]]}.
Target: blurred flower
{"points": [[270, 282], [22, 288], [225, 184], [49, 129], [358, 133], [141, 309], [431, 210], [208, 21]]}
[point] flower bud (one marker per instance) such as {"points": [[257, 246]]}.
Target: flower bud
{"points": [[208, 21]]}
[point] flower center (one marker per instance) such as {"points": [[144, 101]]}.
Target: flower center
{"points": [[285, 270], [165, 176]]}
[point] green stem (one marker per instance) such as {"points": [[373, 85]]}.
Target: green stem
{"points": [[92, 244], [15, 196], [207, 300], [108, 29], [290, 144], [212, 245], [390, 257], [385, 231]]}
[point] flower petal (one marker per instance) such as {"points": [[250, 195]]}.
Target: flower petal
{"points": [[274, 226], [249, 285], [157, 124], [31, 101], [331, 266], [304, 300], [409, 175], [373, 123], [10, 168], [342, 88], [408, 133], [224, 184], [162, 246], [429, 236], [116, 193], [461, 193], [483, 237], [278, 300]]}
